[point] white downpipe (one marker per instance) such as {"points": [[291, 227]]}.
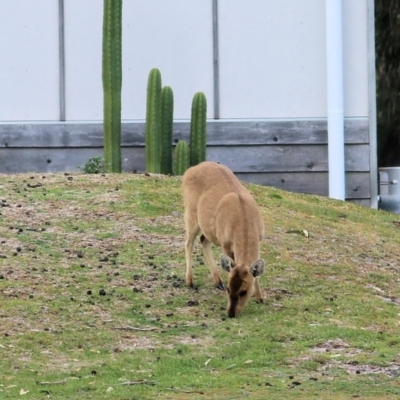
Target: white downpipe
{"points": [[335, 109]]}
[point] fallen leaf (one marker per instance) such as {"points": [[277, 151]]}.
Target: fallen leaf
{"points": [[248, 362], [110, 389], [22, 392], [207, 362]]}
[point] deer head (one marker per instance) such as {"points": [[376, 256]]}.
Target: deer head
{"points": [[240, 282]]}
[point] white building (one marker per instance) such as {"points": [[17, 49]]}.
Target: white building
{"points": [[261, 63]]}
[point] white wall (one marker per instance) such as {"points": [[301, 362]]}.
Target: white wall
{"points": [[355, 56], [29, 60], [83, 46], [174, 36], [272, 57]]}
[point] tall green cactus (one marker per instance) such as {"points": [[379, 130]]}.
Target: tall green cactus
{"points": [[153, 122], [198, 129], [112, 83], [167, 122], [181, 163]]}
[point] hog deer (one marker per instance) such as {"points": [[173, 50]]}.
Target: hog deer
{"points": [[219, 206]]}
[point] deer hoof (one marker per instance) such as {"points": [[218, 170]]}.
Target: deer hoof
{"points": [[221, 286]]}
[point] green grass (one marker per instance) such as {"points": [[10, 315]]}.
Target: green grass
{"points": [[94, 304]]}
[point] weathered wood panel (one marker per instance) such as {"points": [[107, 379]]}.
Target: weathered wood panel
{"points": [[357, 183], [61, 159], [300, 158], [240, 159], [219, 133], [55, 160], [292, 155], [276, 132]]}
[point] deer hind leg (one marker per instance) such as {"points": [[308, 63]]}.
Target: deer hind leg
{"points": [[206, 244], [192, 230]]}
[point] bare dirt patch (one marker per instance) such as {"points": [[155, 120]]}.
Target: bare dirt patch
{"points": [[392, 371]]}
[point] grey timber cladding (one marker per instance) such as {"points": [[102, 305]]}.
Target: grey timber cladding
{"points": [[291, 155]]}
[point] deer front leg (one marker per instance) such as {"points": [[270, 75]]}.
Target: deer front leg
{"points": [[206, 244], [257, 291]]}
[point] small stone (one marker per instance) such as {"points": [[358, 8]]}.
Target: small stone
{"points": [[102, 292]]}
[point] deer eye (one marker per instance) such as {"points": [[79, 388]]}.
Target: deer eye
{"points": [[243, 293]]}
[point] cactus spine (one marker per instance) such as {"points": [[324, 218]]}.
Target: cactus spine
{"points": [[112, 83], [153, 122], [167, 122], [198, 129], [181, 158]]}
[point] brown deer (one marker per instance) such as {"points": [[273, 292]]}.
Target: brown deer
{"points": [[219, 206]]}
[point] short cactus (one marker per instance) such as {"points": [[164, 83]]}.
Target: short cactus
{"points": [[167, 122], [181, 163], [153, 122], [198, 129]]}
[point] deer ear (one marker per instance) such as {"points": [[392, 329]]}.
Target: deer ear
{"points": [[257, 268], [226, 263]]}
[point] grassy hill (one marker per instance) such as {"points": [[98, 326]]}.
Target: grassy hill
{"points": [[93, 303]]}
